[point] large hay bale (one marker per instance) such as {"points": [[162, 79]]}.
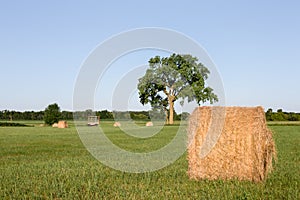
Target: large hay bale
{"points": [[244, 147], [62, 124]]}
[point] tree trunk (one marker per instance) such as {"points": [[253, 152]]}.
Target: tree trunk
{"points": [[171, 103], [167, 116]]}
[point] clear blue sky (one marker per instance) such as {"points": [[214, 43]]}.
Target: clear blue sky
{"points": [[255, 45]]}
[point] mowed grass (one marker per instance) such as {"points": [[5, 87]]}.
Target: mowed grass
{"points": [[49, 163]]}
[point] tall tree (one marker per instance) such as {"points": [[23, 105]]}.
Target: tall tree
{"points": [[175, 77], [52, 114]]}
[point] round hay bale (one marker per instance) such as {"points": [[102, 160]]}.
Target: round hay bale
{"points": [[55, 125], [149, 124], [117, 124], [244, 150], [62, 124]]}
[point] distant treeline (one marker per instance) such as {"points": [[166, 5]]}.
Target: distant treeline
{"points": [[29, 115], [280, 115], [82, 115], [7, 115]]}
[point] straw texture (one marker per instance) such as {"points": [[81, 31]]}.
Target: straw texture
{"points": [[62, 124], [229, 143]]}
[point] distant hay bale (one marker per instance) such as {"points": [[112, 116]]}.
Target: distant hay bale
{"points": [[149, 124], [62, 124], [55, 125], [244, 149], [117, 124]]}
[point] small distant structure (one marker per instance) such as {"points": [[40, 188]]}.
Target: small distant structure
{"points": [[93, 120], [149, 124], [62, 124], [117, 124]]}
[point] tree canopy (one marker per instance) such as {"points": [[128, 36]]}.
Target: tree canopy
{"points": [[175, 77], [52, 114]]}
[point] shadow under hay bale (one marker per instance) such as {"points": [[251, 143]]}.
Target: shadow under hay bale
{"points": [[244, 147]]}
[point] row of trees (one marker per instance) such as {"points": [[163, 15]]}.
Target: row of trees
{"points": [[282, 116], [52, 114], [8, 115], [17, 115]]}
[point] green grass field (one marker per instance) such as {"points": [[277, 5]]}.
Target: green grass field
{"points": [[48, 163]]}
